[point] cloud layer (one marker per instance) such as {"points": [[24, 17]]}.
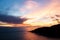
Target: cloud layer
{"points": [[11, 19]]}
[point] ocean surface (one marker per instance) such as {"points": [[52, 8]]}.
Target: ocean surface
{"points": [[18, 33]]}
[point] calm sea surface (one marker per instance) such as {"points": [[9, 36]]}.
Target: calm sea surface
{"points": [[20, 34]]}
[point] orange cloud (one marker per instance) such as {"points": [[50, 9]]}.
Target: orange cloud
{"points": [[50, 10], [30, 4]]}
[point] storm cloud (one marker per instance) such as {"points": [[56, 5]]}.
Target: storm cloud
{"points": [[11, 19]]}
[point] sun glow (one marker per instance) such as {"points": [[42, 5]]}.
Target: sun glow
{"points": [[45, 16]]}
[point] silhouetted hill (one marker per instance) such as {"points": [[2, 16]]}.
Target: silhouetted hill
{"points": [[53, 32]]}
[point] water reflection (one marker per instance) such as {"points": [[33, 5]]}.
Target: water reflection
{"points": [[32, 36], [18, 34]]}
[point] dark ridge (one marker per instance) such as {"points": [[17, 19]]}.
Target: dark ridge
{"points": [[11, 19], [52, 32]]}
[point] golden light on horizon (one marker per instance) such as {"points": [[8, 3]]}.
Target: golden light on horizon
{"points": [[43, 16]]}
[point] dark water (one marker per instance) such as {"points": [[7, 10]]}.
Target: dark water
{"points": [[20, 34]]}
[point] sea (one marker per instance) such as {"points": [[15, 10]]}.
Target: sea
{"points": [[19, 33]]}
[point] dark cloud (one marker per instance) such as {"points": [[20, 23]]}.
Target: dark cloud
{"points": [[11, 19]]}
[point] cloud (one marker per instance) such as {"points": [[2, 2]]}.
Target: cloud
{"points": [[45, 13], [11, 19]]}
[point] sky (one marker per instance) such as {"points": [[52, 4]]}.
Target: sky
{"points": [[37, 12], [14, 7]]}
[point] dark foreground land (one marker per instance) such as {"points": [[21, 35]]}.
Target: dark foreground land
{"points": [[52, 32], [19, 33]]}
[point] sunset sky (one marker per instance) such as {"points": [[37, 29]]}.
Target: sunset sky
{"points": [[15, 7], [37, 12]]}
